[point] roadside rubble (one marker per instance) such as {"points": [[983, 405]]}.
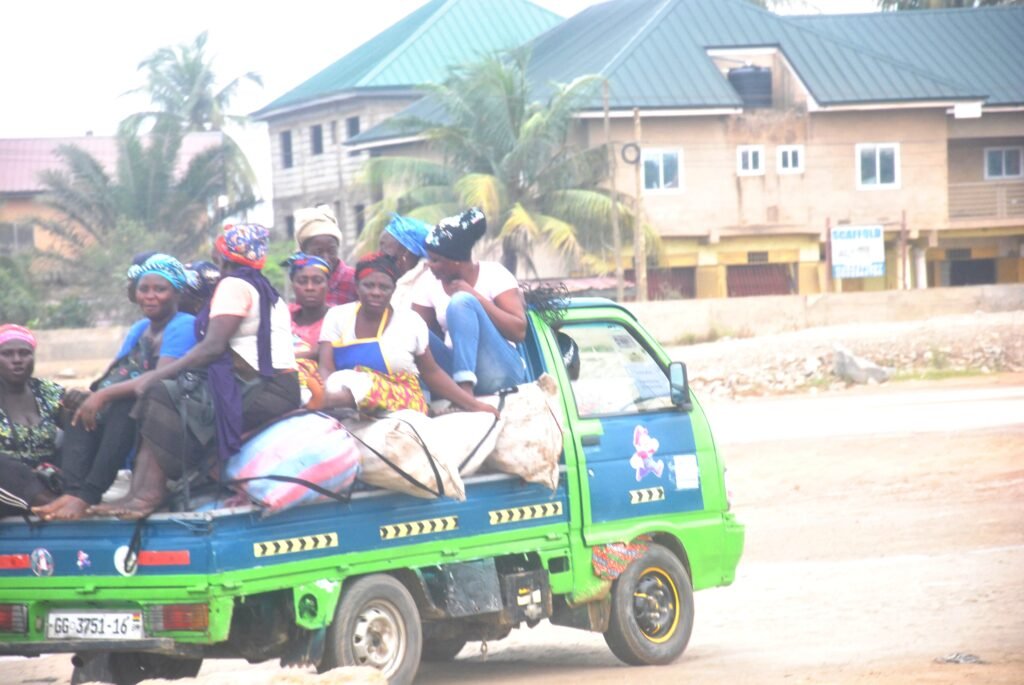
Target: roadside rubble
{"points": [[808, 360]]}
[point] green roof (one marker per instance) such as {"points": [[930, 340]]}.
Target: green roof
{"points": [[421, 47], [654, 54], [983, 47]]}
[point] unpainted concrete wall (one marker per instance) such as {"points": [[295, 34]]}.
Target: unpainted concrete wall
{"points": [[681, 321]]}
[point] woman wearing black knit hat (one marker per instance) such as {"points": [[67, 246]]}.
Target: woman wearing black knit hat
{"points": [[474, 310]]}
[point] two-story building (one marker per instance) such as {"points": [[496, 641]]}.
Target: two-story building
{"points": [[760, 133], [310, 124]]}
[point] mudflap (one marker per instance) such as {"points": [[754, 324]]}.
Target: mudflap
{"points": [[306, 648]]}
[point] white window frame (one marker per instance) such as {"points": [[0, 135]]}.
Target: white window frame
{"points": [[749, 149], [659, 153], [781, 151], [895, 185], [1003, 149]]}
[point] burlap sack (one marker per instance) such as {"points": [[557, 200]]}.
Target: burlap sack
{"points": [[530, 442], [451, 441]]}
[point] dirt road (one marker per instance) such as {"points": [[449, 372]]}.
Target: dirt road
{"points": [[885, 529]]}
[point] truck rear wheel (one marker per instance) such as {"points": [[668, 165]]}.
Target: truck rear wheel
{"points": [[376, 624], [652, 610], [129, 668]]}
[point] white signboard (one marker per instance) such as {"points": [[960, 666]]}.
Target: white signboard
{"points": [[858, 252]]}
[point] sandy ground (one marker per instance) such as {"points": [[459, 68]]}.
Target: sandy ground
{"points": [[885, 530]]}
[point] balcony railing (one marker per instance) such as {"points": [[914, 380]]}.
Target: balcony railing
{"points": [[988, 200]]}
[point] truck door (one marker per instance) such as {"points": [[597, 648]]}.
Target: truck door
{"points": [[640, 457]]}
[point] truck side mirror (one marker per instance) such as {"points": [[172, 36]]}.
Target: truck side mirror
{"points": [[679, 386]]}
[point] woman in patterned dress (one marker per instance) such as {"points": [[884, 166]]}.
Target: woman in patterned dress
{"points": [[29, 418]]}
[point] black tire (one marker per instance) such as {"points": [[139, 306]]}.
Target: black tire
{"points": [[129, 668], [442, 649], [652, 610], [376, 624]]}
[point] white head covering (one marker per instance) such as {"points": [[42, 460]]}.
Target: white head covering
{"points": [[314, 221]]}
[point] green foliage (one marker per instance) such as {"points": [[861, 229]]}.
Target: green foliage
{"points": [[18, 303], [279, 251], [69, 312], [511, 154]]}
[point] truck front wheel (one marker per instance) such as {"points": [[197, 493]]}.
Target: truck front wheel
{"points": [[376, 624], [652, 610]]}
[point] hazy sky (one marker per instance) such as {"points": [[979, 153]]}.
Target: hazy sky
{"points": [[65, 64]]}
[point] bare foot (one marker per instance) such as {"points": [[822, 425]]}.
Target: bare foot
{"points": [[131, 509], [64, 508]]}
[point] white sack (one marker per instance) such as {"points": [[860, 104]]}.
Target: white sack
{"points": [[531, 441], [449, 440]]}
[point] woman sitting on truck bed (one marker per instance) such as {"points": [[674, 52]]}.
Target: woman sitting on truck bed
{"points": [[243, 369], [102, 431], [371, 352], [308, 276], [474, 310], [30, 412], [404, 240]]}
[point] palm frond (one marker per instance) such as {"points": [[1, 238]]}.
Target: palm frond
{"points": [[481, 190]]}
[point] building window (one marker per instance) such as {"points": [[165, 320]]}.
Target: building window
{"points": [[289, 225], [351, 127], [790, 159], [16, 237], [316, 139], [750, 160], [878, 166], [662, 169], [286, 149], [1002, 163], [360, 212]]}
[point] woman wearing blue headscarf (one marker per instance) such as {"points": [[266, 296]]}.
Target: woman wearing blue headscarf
{"points": [[404, 241], [102, 431]]}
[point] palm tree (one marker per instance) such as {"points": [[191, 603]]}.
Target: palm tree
{"points": [[509, 154], [99, 220], [181, 84]]}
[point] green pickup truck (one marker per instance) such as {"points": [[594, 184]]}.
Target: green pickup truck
{"points": [[640, 519]]}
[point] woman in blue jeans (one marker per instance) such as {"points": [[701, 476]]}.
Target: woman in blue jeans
{"points": [[474, 310]]}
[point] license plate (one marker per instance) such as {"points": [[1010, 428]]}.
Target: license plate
{"points": [[98, 625]]}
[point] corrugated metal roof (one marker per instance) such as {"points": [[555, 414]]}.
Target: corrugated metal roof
{"points": [[654, 54], [421, 47], [983, 47], [665, 62], [23, 159]]}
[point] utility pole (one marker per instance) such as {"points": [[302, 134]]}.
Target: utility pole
{"points": [[639, 239], [620, 279], [828, 255], [903, 271]]}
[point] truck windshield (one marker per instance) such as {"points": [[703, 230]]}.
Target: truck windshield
{"points": [[617, 374]]}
